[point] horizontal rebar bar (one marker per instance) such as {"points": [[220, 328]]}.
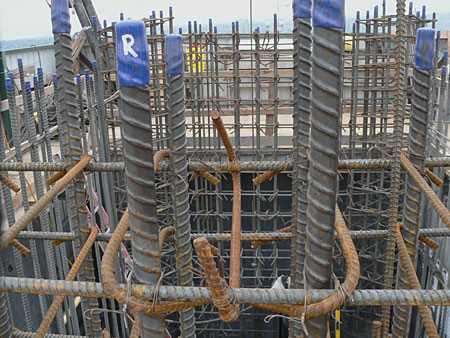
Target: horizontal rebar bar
{"points": [[243, 295]]}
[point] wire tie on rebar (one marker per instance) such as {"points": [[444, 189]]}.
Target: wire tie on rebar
{"points": [[157, 288]]}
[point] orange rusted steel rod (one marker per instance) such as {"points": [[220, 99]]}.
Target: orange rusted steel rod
{"points": [[431, 243], [433, 178], [347, 287], [207, 176], [9, 183], [19, 246], [235, 245], [163, 235], [58, 300], [217, 120], [112, 286], [135, 331], [267, 176], [55, 177], [430, 195], [414, 283], [228, 311], [256, 244], [28, 217]]}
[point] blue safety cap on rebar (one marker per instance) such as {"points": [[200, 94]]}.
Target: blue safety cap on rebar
{"points": [[20, 63], [438, 33], [91, 80], [170, 11], [40, 73], [105, 23], [60, 16], [161, 14], [210, 22], [55, 79], [444, 70], [174, 55], [301, 9], [367, 14], [11, 76], [121, 16], [132, 54], [9, 84], [35, 81], [424, 49], [215, 29], [180, 30], [329, 13], [113, 23], [375, 12], [78, 79], [411, 5], [418, 14], [446, 54], [358, 15], [424, 11], [28, 86], [94, 65]]}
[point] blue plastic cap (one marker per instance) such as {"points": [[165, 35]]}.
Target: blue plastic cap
{"points": [[174, 55], [86, 73], [11, 76], [113, 23], [384, 3], [94, 21], [9, 85], [132, 54], [446, 54], [215, 29], [389, 20], [60, 16], [367, 14], [91, 80], [411, 8], [275, 16], [78, 78], [154, 14], [94, 65], [418, 14], [161, 14], [180, 30], [329, 13], [354, 28], [121, 16], [424, 49], [20, 63], [195, 25], [375, 12], [257, 29], [424, 10], [438, 35], [28, 86], [301, 9], [358, 15], [233, 26], [170, 11], [210, 22], [444, 70], [40, 73], [55, 79], [105, 23], [35, 81], [237, 25]]}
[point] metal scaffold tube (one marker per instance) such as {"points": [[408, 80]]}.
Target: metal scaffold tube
{"points": [[133, 74], [180, 188], [417, 141], [326, 106]]}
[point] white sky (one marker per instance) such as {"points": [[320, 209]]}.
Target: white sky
{"points": [[31, 18]]}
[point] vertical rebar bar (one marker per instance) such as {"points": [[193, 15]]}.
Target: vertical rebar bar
{"points": [[176, 106], [76, 196], [399, 99], [417, 141], [301, 126], [134, 77], [327, 69]]}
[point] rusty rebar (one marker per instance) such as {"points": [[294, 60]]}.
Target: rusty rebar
{"points": [[19, 246], [55, 177], [135, 331], [432, 244], [159, 155], [235, 245], [51, 313], [433, 178], [267, 176], [163, 235], [9, 183], [34, 211], [428, 192], [414, 283], [228, 311]]}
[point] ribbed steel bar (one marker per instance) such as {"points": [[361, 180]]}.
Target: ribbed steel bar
{"points": [[417, 142], [302, 107], [326, 106], [76, 194], [399, 99], [5, 320], [410, 273], [180, 187], [243, 295], [134, 106], [39, 184], [84, 252], [18, 334], [246, 166], [23, 184]]}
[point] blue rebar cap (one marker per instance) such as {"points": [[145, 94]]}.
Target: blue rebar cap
{"points": [[78, 79], [20, 63], [113, 23], [28, 86], [170, 11], [132, 54], [94, 65], [105, 23], [161, 14], [375, 12], [329, 13], [60, 16], [210, 22], [424, 49], [121, 16], [358, 15], [35, 81], [446, 54], [55, 79], [418, 14], [444, 71], [40, 73], [215, 29], [11, 76], [9, 84], [411, 8], [424, 11], [174, 54], [301, 9], [195, 26], [180, 30], [91, 81], [438, 33]]}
